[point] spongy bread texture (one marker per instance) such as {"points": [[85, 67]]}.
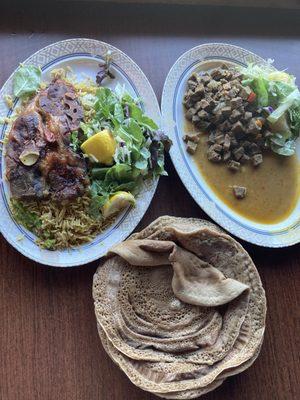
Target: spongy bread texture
{"points": [[166, 346]]}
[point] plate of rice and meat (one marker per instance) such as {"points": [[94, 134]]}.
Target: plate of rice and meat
{"points": [[235, 121], [82, 151]]}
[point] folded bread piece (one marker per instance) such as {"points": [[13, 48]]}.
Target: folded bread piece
{"points": [[180, 305]]}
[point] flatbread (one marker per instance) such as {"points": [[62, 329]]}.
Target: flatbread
{"points": [[163, 343]]}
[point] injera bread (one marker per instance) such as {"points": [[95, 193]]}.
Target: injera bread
{"points": [[204, 342]]}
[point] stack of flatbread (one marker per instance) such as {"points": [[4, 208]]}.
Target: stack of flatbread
{"points": [[180, 307]]}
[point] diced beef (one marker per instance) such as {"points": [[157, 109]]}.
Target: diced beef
{"points": [[213, 156], [205, 79], [253, 149], [238, 153], [211, 138], [216, 147], [245, 92], [219, 138], [217, 74], [239, 191], [203, 114], [225, 126], [227, 86], [226, 155], [190, 113], [202, 125], [191, 147], [205, 105], [213, 85], [247, 116], [235, 116], [195, 118], [236, 102], [244, 159], [237, 128], [232, 92], [226, 111], [198, 93], [192, 136], [192, 84], [218, 118], [234, 165], [227, 142], [257, 159]]}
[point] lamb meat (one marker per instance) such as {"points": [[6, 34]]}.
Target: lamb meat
{"points": [[42, 129], [65, 174], [61, 107], [25, 182]]}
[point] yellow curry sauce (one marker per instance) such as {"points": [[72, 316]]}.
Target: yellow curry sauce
{"points": [[272, 188]]}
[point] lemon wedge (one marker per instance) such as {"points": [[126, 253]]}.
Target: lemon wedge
{"points": [[100, 147], [117, 202]]}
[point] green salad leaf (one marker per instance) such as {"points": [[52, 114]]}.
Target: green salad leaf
{"points": [[26, 80]]}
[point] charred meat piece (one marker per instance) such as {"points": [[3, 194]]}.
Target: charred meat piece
{"points": [[65, 174], [61, 107], [25, 182], [39, 162]]}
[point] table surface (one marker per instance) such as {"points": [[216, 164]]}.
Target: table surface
{"points": [[49, 347]]}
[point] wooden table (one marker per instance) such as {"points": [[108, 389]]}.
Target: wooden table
{"points": [[49, 347]]}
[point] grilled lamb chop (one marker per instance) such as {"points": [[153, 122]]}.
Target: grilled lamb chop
{"points": [[43, 130], [66, 174], [25, 181], [58, 103]]}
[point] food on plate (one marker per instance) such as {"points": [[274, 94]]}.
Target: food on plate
{"points": [[77, 154], [242, 127], [180, 307]]}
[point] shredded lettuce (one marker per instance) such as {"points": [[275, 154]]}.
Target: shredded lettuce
{"points": [[284, 105]]}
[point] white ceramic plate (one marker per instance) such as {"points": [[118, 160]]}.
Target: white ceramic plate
{"points": [[282, 234], [83, 55]]}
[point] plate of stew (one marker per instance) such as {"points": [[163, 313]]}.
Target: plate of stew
{"points": [[234, 120]]}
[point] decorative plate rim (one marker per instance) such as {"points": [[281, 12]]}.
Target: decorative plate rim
{"points": [[183, 65], [129, 219]]}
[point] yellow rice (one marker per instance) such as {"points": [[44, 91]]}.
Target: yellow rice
{"points": [[65, 225]]}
